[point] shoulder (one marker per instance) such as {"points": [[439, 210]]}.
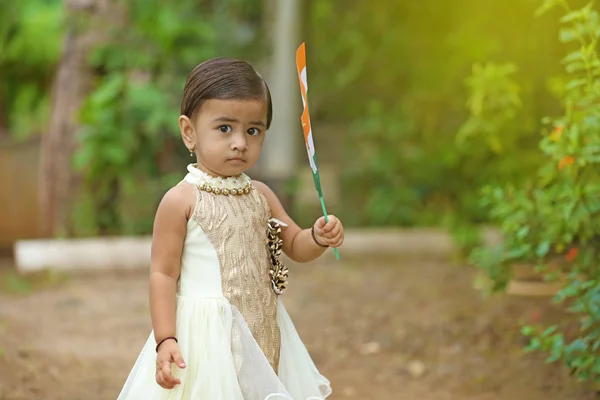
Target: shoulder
{"points": [[273, 202], [278, 212], [178, 201], [261, 187], [265, 191]]}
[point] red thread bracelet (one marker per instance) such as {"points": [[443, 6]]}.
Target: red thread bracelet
{"points": [[165, 339], [312, 232]]}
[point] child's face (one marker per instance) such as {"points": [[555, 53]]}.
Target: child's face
{"points": [[227, 135]]}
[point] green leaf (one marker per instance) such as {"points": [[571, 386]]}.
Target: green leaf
{"points": [[553, 358], [558, 345], [534, 344], [575, 15], [518, 252], [568, 209], [523, 232], [543, 249], [550, 330], [527, 330], [596, 367], [576, 83], [108, 91], [588, 10], [575, 66], [567, 292], [576, 55], [116, 155], [546, 6], [577, 346], [567, 35], [83, 157], [583, 375]]}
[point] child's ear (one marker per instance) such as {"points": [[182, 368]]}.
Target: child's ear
{"points": [[187, 131]]}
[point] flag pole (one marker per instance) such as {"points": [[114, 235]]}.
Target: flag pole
{"points": [[306, 127]]}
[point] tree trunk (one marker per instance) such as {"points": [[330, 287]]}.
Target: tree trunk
{"points": [[73, 82], [278, 160]]}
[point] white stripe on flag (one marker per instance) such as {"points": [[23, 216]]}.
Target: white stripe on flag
{"points": [[305, 84]]}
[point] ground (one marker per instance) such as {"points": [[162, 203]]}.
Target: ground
{"points": [[381, 329]]}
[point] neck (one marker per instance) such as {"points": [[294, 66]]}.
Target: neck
{"points": [[240, 184], [201, 167]]}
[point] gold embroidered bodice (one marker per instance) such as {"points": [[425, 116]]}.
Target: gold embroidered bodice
{"points": [[237, 228]]}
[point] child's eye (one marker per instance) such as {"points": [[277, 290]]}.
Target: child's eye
{"points": [[225, 128], [253, 131]]}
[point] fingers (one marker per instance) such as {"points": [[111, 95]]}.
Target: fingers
{"points": [[178, 359], [335, 231], [329, 225], [324, 226], [335, 241], [164, 377], [320, 223], [331, 232], [169, 353]]}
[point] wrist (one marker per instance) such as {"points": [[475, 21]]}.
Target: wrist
{"points": [[163, 340], [314, 237]]}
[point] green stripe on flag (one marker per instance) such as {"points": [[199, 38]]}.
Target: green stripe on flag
{"points": [[317, 180]]}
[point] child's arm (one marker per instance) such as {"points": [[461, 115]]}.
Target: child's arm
{"points": [[167, 243], [298, 243]]}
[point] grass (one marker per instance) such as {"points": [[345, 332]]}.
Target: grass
{"points": [[11, 282]]}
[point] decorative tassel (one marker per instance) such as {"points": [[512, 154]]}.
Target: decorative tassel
{"points": [[278, 272]]}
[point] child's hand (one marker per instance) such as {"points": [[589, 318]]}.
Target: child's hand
{"points": [[168, 353], [331, 233]]}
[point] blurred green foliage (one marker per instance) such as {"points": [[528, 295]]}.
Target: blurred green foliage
{"points": [[30, 42], [550, 221], [129, 117], [398, 75], [395, 72], [129, 145]]}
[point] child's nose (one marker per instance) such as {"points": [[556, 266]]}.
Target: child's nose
{"points": [[239, 142]]}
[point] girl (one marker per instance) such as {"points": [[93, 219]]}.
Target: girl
{"points": [[220, 330]]}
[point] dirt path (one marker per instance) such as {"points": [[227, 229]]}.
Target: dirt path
{"points": [[378, 329]]}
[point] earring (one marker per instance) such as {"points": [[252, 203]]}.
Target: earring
{"points": [[192, 151]]}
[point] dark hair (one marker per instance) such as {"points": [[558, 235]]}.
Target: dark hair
{"points": [[224, 79]]}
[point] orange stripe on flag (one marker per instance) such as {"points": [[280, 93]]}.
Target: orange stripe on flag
{"points": [[301, 67]]}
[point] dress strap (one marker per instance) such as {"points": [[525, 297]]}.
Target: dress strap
{"points": [[196, 209]]}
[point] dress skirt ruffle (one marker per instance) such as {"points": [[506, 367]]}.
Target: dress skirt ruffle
{"points": [[224, 362]]}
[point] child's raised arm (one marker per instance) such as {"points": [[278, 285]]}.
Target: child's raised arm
{"points": [[167, 243], [299, 244]]}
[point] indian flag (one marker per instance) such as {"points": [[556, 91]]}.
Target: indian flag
{"points": [[306, 127], [308, 137]]}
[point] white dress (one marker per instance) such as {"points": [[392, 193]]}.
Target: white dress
{"points": [[234, 333]]}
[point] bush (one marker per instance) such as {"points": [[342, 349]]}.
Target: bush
{"points": [[30, 46], [555, 215], [394, 75], [129, 143]]}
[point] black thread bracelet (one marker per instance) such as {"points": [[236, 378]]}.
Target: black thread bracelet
{"points": [[165, 339], [312, 232]]}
